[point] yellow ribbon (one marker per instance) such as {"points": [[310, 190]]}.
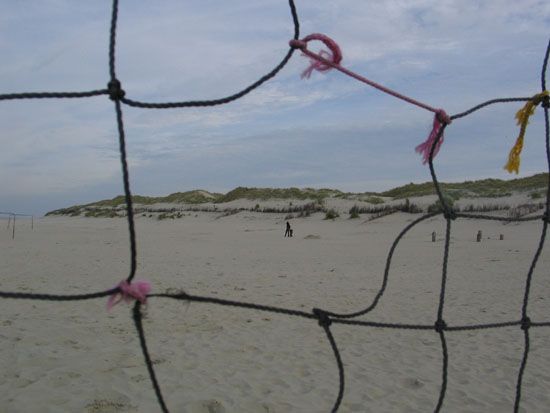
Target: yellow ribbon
{"points": [[522, 117]]}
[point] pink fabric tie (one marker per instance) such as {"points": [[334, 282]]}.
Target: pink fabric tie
{"points": [[129, 292], [440, 119]]}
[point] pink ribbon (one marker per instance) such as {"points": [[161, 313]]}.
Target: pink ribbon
{"points": [[129, 292], [440, 119]]}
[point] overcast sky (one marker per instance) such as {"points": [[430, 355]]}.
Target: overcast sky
{"points": [[328, 131]]}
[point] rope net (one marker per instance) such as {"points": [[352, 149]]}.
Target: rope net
{"points": [[139, 292]]}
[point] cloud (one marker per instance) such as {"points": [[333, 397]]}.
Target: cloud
{"points": [[60, 178]]}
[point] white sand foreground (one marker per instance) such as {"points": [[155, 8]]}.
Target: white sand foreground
{"points": [[77, 357]]}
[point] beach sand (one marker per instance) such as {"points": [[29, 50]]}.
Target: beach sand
{"points": [[77, 357]]}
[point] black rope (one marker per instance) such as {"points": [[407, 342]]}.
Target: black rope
{"points": [[335, 319], [487, 103], [444, 369], [544, 67], [116, 94], [127, 193], [376, 324], [325, 318], [235, 96], [139, 327], [522, 368], [440, 324], [55, 95], [546, 106], [324, 322], [212, 300], [112, 40], [483, 326], [532, 269], [439, 192], [58, 297]]}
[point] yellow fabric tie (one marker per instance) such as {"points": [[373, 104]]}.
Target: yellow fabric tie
{"points": [[522, 117]]}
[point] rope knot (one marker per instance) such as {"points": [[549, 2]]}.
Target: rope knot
{"points": [[129, 292], [440, 325], [334, 56], [545, 103], [115, 90], [323, 317], [442, 117], [298, 44], [449, 214], [525, 323]]}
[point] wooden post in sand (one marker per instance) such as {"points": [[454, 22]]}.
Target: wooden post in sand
{"points": [[32, 222], [479, 235], [433, 236], [501, 237], [13, 230]]}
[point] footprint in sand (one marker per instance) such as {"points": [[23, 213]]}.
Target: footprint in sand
{"points": [[109, 406], [254, 407], [206, 406], [115, 402], [303, 371], [138, 378], [412, 383]]}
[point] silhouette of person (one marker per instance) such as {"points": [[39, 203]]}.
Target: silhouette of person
{"points": [[288, 232]]}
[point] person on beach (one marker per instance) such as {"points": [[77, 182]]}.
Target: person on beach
{"points": [[288, 232]]}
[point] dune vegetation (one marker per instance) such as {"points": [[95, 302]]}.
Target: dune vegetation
{"points": [[302, 202]]}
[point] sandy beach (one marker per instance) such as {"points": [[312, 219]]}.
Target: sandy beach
{"points": [[77, 357]]}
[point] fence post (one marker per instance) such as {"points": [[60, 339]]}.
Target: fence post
{"points": [[433, 236], [479, 235], [501, 237], [13, 230]]}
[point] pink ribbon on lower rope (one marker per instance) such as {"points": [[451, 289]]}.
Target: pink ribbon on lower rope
{"points": [[440, 119], [129, 292]]}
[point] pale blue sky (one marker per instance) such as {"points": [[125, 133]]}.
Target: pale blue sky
{"points": [[328, 131]]}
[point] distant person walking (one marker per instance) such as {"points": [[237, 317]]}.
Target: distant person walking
{"points": [[288, 232]]}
